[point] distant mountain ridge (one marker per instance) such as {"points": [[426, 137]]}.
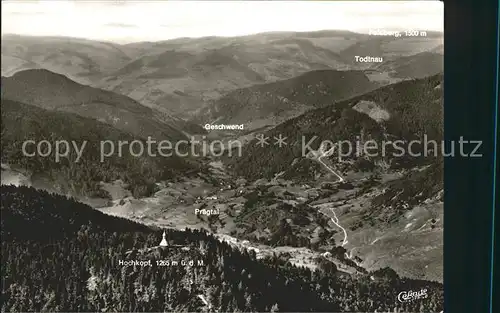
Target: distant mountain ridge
{"points": [[80, 59], [272, 103], [420, 65], [178, 76]]}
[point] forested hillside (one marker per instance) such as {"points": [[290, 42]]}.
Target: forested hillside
{"points": [[277, 101], [420, 65], [21, 122], [56, 92], [403, 111], [60, 255]]}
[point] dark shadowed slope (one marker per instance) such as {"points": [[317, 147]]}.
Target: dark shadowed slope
{"points": [[21, 122], [53, 91]]}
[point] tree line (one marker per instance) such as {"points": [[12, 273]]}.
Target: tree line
{"points": [[61, 255]]}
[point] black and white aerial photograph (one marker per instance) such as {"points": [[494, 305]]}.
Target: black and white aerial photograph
{"points": [[230, 156]]}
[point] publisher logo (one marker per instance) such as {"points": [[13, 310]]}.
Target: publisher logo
{"points": [[407, 296]]}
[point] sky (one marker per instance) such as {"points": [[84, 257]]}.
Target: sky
{"points": [[132, 21]]}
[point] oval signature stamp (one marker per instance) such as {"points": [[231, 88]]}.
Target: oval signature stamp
{"points": [[407, 296]]}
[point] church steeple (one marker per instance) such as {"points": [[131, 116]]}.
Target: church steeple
{"points": [[164, 242]]}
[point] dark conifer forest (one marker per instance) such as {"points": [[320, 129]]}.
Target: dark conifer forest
{"points": [[61, 255]]}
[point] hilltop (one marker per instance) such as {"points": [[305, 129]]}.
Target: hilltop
{"points": [[56, 92], [84, 248]]}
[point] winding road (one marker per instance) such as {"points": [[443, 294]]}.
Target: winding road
{"points": [[335, 219]]}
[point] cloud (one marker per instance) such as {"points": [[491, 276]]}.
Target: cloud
{"points": [[120, 25], [162, 20], [118, 3], [177, 25], [26, 13]]}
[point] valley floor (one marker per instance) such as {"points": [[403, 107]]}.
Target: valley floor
{"points": [[411, 245]]}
